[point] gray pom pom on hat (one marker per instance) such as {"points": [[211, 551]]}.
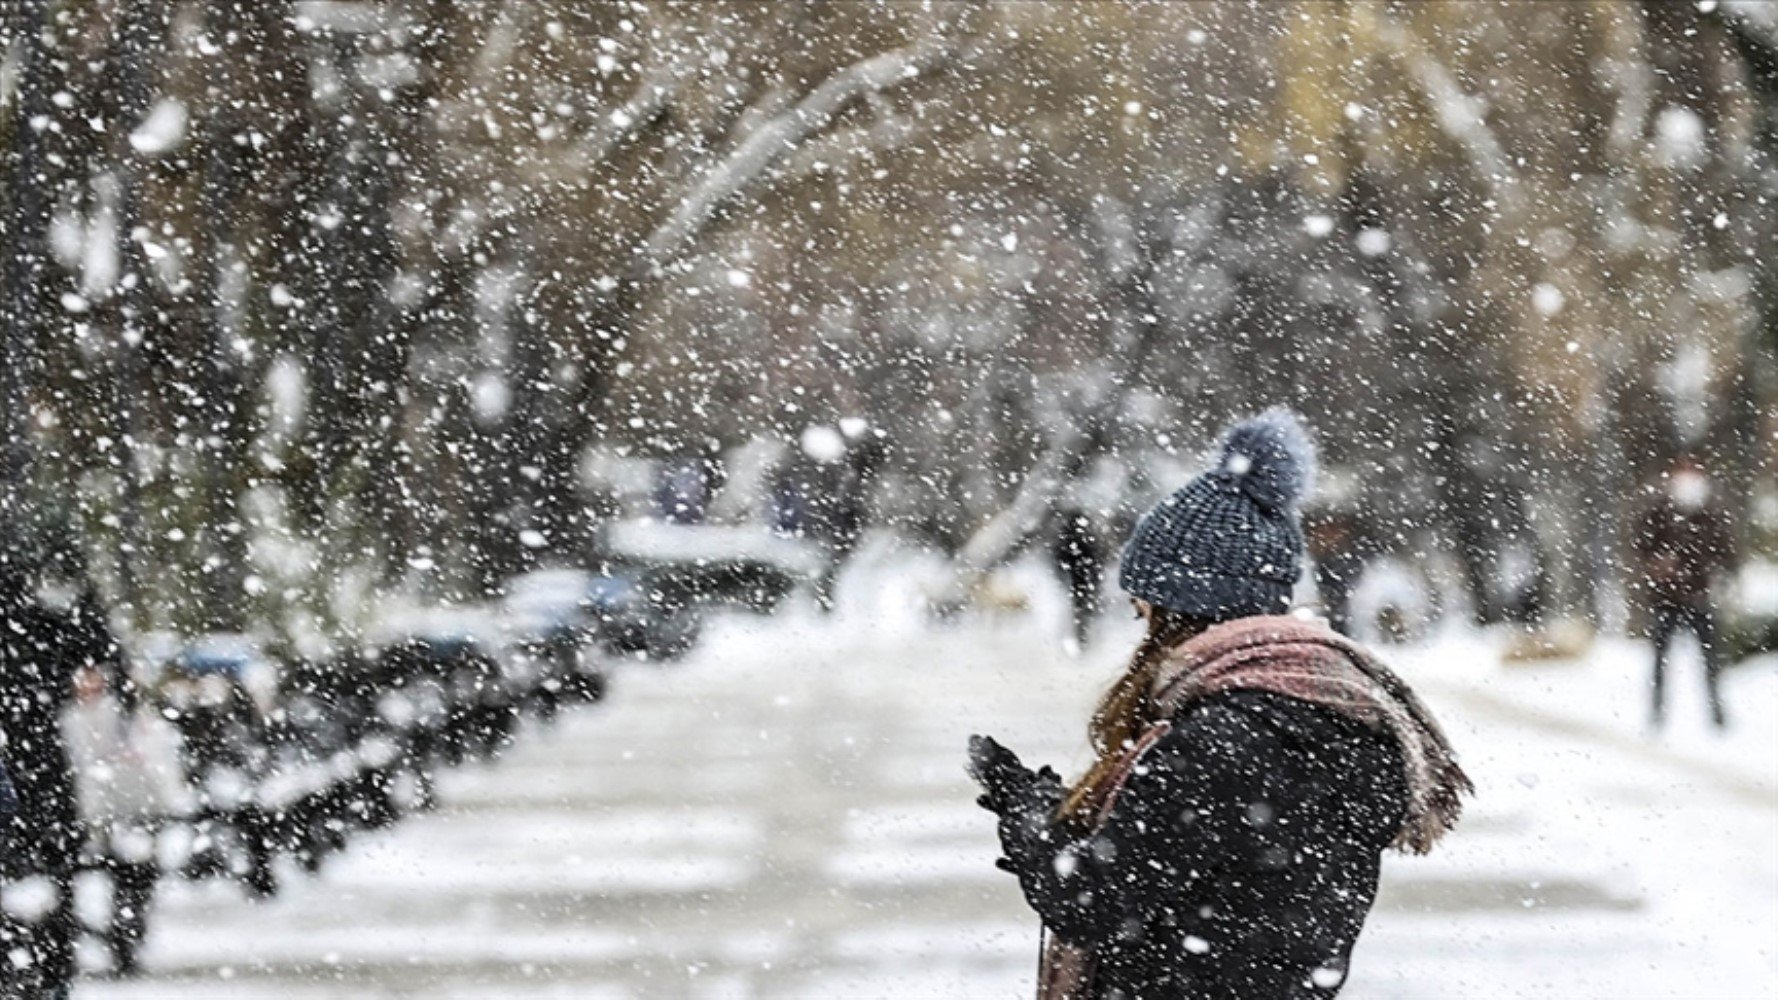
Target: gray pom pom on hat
{"points": [[1229, 543]]}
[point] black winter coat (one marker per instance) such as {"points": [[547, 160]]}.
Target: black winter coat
{"points": [[39, 652], [1239, 860]]}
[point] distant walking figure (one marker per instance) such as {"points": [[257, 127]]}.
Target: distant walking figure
{"points": [[1683, 542], [1252, 767], [1080, 563]]}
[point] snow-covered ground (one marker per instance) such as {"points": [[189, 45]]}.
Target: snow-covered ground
{"points": [[785, 815]]}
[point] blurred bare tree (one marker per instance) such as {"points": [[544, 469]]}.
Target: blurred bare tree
{"points": [[299, 292]]}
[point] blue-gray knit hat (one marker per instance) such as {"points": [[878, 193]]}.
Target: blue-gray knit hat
{"points": [[1228, 544]]}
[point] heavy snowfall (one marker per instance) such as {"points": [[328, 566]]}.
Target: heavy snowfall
{"points": [[539, 498]]}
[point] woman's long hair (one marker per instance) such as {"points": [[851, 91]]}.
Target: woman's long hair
{"points": [[1127, 710]]}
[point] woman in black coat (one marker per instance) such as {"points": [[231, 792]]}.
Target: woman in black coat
{"points": [[1251, 767]]}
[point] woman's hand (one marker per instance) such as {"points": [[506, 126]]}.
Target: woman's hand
{"points": [[1025, 800], [999, 771], [1008, 782]]}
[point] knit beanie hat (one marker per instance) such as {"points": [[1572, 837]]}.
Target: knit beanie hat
{"points": [[1228, 544]]}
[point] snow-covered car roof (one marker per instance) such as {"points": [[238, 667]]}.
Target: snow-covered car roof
{"points": [[648, 540], [453, 623]]}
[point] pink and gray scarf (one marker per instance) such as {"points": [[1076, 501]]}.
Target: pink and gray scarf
{"points": [[1298, 659]]}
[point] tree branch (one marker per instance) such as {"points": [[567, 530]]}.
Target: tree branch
{"points": [[1754, 28], [782, 133], [1460, 115], [834, 153], [644, 105]]}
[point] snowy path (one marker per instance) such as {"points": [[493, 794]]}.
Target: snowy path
{"points": [[1596, 861], [785, 815]]}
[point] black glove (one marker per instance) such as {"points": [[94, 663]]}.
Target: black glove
{"points": [[1048, 789], [1025, 800], [998, 770], [1008, 782]]}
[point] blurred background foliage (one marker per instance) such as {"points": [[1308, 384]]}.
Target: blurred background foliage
{"points": [[303, 297]]}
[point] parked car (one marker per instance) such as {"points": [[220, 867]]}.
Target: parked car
{"points": [[622, 610], [635, 614], [549, 625], [449, 691], [217, 690], [686, 565]]}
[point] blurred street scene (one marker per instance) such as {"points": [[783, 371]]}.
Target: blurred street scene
{"points": [[531, 497], [786, 815]]}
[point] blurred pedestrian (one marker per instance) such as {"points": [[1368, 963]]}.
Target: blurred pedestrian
{"points": [[1523, 571], [1252, 767], [1334, 538], [41, 842], [823, 494], [1683, 542], [1079, 558], [867, 450], [129, 781]]}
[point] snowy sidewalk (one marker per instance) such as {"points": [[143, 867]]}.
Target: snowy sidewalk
{"points": [[785, 815], [1597, 860]]}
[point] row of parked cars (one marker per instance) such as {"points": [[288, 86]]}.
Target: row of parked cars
{"points": [[274, 762]]}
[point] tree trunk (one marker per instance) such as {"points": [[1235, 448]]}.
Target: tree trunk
{"points": [[27, 221], [137, 40]]}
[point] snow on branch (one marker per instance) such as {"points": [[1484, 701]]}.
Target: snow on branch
{"points": [[644, 105], [1000, 536], [1758, 17], [784, 132], [835, 152], [660, 83], [1754, 28], [1459, 114]]}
